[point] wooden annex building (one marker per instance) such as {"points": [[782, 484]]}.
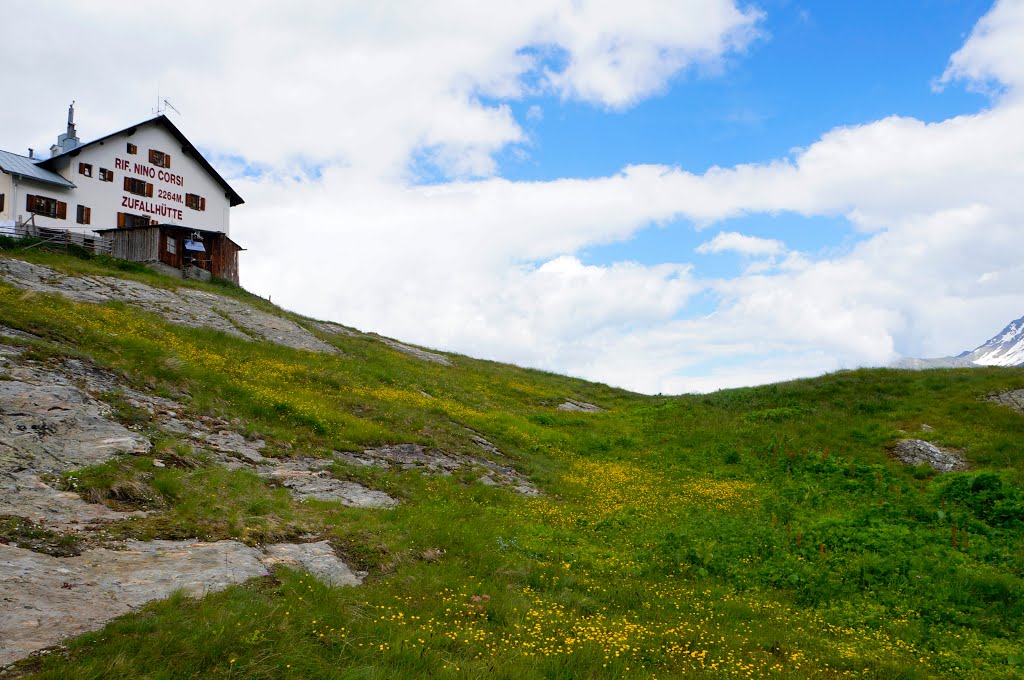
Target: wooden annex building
{"points": [[178, 247]]}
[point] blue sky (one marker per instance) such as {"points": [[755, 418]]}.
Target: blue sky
{"points": [[665, 195], [816, 66]]}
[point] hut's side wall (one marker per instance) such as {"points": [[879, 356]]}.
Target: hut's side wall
{"points": [[224, 255], [136, 245]]}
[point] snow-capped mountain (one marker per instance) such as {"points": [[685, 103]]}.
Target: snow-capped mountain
{"points": [[1005, 349]]}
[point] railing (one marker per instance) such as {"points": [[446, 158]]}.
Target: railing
{"points": [[61, 238]]}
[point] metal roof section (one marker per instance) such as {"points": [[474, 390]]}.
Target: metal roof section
{"points": [[186, 146], [27, 168]]}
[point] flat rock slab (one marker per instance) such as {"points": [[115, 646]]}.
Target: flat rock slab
{"points": [[317, 559], [917, 451], [309, 478], [234, 444], [433, 461], [45, 599], [50, 426], [334, 328], [184, 306], [1013, 399], [580, 406], [418, 353], [24, 494]]}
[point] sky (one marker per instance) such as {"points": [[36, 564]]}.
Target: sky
{"points": [[663, 195]]}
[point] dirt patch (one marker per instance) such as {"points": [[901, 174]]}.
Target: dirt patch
{"points": [[19, 532]]}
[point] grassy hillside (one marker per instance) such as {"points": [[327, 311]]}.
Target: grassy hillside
{"points": [[758, 532]]}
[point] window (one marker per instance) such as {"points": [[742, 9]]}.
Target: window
{"points": [[195, 202], [85, 169], [106, 175], [47, 207], [125, 220], [84, 215], [1, 203], [132, 149], [172, 246], [159, 158], [139, 187]]}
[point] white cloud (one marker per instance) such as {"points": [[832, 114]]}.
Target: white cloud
{"points": [[652, 40], [995, 51], [750, 246], [490, 267], [349, 82]]}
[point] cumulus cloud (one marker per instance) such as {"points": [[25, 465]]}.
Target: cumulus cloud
{"points": [[347, 83], [994, 54], [750, 246], [492, 267]]}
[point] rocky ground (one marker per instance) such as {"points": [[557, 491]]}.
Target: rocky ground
{"points": [[60, 574], [185, 306], [44, 599], [917, 451], [1013, 399], [51, 423], [192, 307]]}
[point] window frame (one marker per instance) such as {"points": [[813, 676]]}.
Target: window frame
{"points": [[85, 169], [159, 158], [83, 215], [44, 206], [139, 187], [106, 175], [133, 149], [195, 202], [130, 220]]}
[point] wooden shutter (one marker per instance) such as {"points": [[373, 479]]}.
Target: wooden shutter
{"points": [[120, 220], [202, 203], [81, 168], [167, 160], [62, 210], [149, 190], [127, 183], [86, 215], [2, 196], [30, 203]]}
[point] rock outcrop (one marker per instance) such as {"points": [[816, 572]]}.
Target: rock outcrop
{"points": [[184, 306], [433, 461], [1013, 399], [45, 599], [579, 406], [917, 451]]}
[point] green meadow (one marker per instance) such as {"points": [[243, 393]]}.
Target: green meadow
{"points": [[758, 532]]}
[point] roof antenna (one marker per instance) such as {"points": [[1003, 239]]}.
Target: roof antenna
{"points": [[162, 104]]}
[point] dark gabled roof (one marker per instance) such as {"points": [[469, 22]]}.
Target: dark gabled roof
{"points": [[27, 168], [186, 145]]}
